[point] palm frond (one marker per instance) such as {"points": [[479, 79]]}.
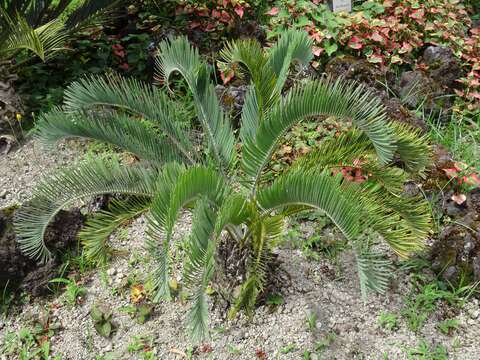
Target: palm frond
{"points": [[43, 41], [166, 206], [293, 45], [374, 272], [250, 54], [179, 56], [413, 149], [339, 98], [317, 190], [129, 134], [135, 97], [62, 188], [97, 230], [198, 268]]}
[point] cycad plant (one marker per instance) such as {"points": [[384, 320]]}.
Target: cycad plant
{"points": [[220, 176], [43, 27]]}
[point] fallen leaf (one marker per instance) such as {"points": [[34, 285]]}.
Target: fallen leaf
{"points": [[459, 198]]}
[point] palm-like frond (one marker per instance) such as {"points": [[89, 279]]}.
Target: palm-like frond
{"points": [[190, 184], [129, 134], [403, 222], [340, 99], [135, 97], [264, 232], [374, 272], [179, 56], [316, 190], [95, 233], [43, 41], [198, 268], [62, 188], [293, 45]]}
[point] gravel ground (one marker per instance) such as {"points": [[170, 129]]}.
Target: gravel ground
{"points": [[346, 328]]}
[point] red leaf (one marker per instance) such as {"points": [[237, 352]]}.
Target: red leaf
{"points": [[216, 14], [355, 43], [459, 198], [194, 24], [239, 11], [317, 51], [273, 11], [123, 66], [377, 37]]}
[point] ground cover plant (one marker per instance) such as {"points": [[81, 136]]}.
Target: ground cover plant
{"points": [[354, 179]]}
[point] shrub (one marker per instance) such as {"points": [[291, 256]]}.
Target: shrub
{"points": [[220, 176]]}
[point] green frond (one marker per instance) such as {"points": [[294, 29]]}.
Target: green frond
{"points": [[189, 186], [250, 54], [178, 55], [413, 148], [156, 223], [43, 41], [250, 118], [340, 99], [374, 272], [317, 190], [403, 222], [134, 97], [198, 268], [132, 135], [340, 151], [293, 45], [62, 188], [98, 228], [235, 210]]}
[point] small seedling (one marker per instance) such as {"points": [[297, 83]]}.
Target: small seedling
{"points": [[388, 321], [274, 300], [448, 326], [139, 312], [102, 320], [73, 292], [312, 318], [289, 348], [234, 350]]}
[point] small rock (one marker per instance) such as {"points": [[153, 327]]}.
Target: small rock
{"points": [[111, 271]]}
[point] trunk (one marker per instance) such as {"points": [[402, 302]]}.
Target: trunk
{"points": [[20, 271], [231, 271]]}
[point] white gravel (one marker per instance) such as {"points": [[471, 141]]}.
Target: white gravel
{"points": [[337, 302]]}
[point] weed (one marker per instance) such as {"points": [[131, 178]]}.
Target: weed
{"points": [[288, 349], [312, 318], [424, 352], [448, 326], [102, 319], [6, 299], [73, 292], [233, 349], [388, 321]]}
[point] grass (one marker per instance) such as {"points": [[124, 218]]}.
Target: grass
{"points": [[423, 351], [461, 136], [388, 321]]}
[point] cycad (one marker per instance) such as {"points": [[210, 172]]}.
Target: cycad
{"points": [[42, 27], [224, 187]]}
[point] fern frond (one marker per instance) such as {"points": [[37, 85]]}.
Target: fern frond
{"points": [[96, 231], [135, 97], [62, 188], [179, 56], [129, 134], [341, 99]]}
